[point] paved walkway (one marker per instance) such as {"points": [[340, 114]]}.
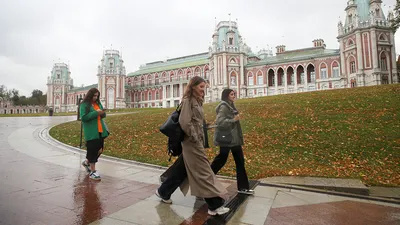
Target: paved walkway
{"points": [[42, 182]]}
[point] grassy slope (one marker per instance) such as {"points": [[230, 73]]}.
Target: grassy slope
{"points": [[338, 133]]}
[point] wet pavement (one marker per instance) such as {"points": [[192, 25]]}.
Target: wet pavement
{"points": [[42, 182]]}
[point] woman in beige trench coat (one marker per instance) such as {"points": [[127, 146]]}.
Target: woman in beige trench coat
{"points": [[202, 180]]}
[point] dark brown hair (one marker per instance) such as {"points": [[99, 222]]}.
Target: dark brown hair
{"points": [[89, 98], [225, 97], [196, 80]]}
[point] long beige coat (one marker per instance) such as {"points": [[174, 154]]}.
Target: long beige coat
{"points": [[202, 181]]}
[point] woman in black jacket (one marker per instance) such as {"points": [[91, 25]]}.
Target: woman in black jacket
{"points": [[229, 136]]}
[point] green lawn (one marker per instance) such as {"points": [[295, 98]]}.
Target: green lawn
{"points": [[347, 133]]}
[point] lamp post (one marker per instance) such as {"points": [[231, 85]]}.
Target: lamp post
{"points": [[79, 119]]}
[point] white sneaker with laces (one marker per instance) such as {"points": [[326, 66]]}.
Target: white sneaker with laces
{"points": [[220, 211], [94, 175]]}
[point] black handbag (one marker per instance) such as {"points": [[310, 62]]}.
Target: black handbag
{"points": [[172, 129], [224, 136]]}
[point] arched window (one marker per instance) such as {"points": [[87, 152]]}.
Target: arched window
{"points": [[251, 78], [352, 65], [150, 97], [157, 95], [383, 62], [323, 71], [335, 70], [142, 82], [260, 78], [110, 98]]}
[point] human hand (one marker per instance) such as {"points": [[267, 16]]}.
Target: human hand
{"points": [[100, 112], [237, 117]]}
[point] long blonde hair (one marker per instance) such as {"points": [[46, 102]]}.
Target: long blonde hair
{"points": [[196, 80]]}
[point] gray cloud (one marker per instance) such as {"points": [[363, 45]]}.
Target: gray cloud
{"points": [[35, 34]]}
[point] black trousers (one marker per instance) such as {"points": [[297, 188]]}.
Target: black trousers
{"points": [[222, 157], [175, 175], [93, 147]]}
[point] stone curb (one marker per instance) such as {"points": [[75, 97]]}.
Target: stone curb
{"points": [[322, 191]]}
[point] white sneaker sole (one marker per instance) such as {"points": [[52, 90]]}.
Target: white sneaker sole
{"points": [[213, 213]]}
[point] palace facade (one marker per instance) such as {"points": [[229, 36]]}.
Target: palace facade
{"points": [[366, 57]]}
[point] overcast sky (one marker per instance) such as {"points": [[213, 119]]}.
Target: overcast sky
{"points": [[36, 34]]}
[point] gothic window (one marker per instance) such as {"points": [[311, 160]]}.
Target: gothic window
{"points": [[111, 62], [352, 67], [260, 78], [350, 42], [383, 63], [157, 80], [302, 80], [58, 76], [385, 80], [335, 70], [110, 98], [251, 80], [157, 95], [324, 73], [231, 40], [312, 76], [350, 19], [142, 82], [382, 37], [271, 78], [150, 97]]}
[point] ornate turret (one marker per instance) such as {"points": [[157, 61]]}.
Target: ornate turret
{"points": [[111, 75]]}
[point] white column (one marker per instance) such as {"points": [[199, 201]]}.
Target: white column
{"points": [[276, 82], [375, 63], [285, 80], [123, 87], [224, 70], [180, 90], [172, 91], [305, 79], [118, 86], [62, 95], [394, 65], [295, 80], [103, 88], [342, 59], [241, 75], [359, 52]]}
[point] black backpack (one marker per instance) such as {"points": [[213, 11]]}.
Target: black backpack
{"points": [[174, 132]]}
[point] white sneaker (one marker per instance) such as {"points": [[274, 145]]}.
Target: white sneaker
{"points": [[220, 211], [86, 166], [246, 191], [167, 201], [94, 175]]}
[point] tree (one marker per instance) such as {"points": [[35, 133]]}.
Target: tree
{"points": [[4, 93], [14, 96], [396, 19], [37, 94]]}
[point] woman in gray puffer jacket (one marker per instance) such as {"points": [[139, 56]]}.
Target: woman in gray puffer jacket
{"points": [[229, 136]]}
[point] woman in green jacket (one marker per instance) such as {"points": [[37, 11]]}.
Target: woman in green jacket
{"points": [[94, 129], [228, 125]]}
